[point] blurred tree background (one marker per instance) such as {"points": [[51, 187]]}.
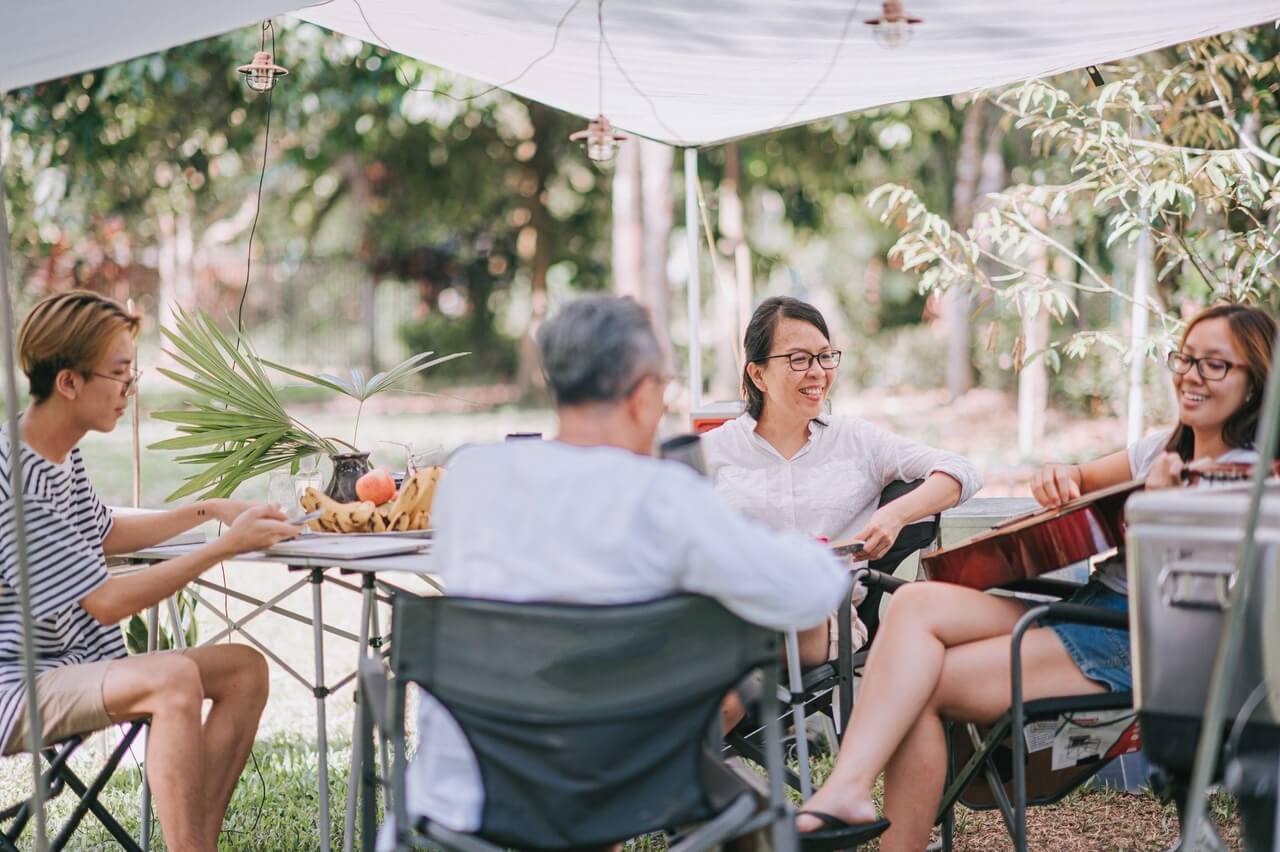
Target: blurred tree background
{"points": [[1001, 239]]}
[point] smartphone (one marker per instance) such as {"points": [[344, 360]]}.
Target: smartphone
{"points": [[309, 516], [855, 550]]}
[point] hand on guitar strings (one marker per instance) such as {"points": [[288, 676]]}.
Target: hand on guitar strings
{"points": [[1166, 472], [1056, 484], [880, 532]]}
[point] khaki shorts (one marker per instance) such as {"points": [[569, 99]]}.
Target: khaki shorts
{"points": [[70, 699]]}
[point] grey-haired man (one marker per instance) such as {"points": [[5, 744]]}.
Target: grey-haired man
{"points": [[589, 517]]}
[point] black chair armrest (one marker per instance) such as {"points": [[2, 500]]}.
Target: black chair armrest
{"points": [[1097, 616], [1044, 586], [873, 579]]}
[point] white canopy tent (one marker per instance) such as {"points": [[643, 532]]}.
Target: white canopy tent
{"points": [[688, 74], [685, 73]]}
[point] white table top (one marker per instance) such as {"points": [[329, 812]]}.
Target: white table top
{"points": [[408, 563]]}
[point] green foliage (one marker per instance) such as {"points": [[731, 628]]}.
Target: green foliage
{"points": [[237, 422], [135, 633], [238, 419], [1166, 149], [495, 355], [359, 389]]}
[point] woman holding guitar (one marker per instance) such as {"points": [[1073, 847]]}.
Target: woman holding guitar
{"points": [[943, 650]]}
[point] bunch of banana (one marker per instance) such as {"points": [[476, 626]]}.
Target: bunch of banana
{"points": [[410, 510]]}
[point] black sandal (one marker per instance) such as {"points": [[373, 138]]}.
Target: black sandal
{"points": [[838, 833]]}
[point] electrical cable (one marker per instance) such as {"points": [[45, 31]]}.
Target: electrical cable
{"points": [[555, 40], [653, 108], [257, 208], [831, 64]]}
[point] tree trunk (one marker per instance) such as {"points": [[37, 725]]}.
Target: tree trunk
{"points": [[657, 165], [361, 197], [1033, 378], [176, 262], [733, 280], [1142, 287], [956, 303], [537, 247], [628, 223]]}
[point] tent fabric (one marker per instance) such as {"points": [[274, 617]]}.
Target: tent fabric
{"points": [[686, 73]]}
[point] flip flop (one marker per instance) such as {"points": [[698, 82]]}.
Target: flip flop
{"points": [[839, 834]]}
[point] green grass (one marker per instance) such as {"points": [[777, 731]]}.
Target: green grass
{"points": [[274, 806]]}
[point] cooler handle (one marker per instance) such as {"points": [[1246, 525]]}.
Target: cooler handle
{"points": [[1182, 585]]}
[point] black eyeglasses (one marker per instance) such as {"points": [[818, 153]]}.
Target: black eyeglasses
{"points": [[1210, 369], [128, 382], [800, 361]]}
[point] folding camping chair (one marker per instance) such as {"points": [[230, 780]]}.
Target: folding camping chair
{"points": [[59, 776], [996, 769], [815, 690], [590, 724]]}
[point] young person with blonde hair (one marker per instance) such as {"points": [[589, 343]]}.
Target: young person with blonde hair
{"points": [[78, 353]]}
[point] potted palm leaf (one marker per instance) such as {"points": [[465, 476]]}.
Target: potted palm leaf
{"points": [[237, 427]]}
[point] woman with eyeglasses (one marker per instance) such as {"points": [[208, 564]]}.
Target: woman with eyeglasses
{"points": [[788, 464], [77, 350], [943, 650]]}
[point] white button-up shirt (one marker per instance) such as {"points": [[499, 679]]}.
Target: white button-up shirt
{"points": [[832, 486], [535, 520]]}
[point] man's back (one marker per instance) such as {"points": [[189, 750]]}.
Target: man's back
{"points": [[535, 520], [547, 521]]}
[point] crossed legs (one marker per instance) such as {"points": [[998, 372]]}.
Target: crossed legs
{"points": [[193, 763], [942, 652]]}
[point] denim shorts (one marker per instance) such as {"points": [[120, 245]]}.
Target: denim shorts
{"points": [[1101, 652]]}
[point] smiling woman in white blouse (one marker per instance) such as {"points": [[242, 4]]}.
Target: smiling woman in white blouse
{"points": [[789, 465]]}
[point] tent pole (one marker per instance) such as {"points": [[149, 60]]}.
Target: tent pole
{"points": [[691, 220], [1230, 644], [35, 734]]}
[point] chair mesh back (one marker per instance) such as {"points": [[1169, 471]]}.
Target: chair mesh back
{"points": [[589, 723]]}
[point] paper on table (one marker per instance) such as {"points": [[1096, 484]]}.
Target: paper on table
{"points": [[347, 547]]}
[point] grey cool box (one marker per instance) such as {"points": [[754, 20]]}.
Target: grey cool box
{"points": [[1182, 545]]}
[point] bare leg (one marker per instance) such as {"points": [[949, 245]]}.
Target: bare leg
{"points": [[193, 766], [974, 686], [814, 645], [235, 678], [903, 670], [167, 688]]}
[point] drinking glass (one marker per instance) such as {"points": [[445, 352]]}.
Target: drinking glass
{"points": [[308, 476], [280, 491]]}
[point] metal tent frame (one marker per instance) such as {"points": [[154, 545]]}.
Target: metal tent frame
{"points": [[35, 731]]}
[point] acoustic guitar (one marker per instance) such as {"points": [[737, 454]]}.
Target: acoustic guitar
{"points": [[1048, 539]]}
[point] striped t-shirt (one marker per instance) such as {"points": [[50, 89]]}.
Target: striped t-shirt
{"points": [[65, 526]]}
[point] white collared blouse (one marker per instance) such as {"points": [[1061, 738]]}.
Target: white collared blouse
{"points": [[832, 486]]}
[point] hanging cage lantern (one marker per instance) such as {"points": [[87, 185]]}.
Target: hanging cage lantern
{"points": [[260, 74], [600, 139], [894, 26]]}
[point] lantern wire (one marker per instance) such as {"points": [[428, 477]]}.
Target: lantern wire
{"points": [[262, 176], [555, 40]]}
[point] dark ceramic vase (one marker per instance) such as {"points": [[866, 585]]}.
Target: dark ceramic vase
{"points": [[347, 468]]}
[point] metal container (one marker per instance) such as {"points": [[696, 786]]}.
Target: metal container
{"points": [[1181, 547]]}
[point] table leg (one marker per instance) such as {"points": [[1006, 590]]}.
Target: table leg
{"points": [[797, 713], [377, 631], [321, 693], [355, 777], [153, 635]]}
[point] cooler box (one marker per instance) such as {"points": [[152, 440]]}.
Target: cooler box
{"points": [[1181, 547], [712, 414]]}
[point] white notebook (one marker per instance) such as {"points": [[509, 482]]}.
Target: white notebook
{"points": [[343, 547]]}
